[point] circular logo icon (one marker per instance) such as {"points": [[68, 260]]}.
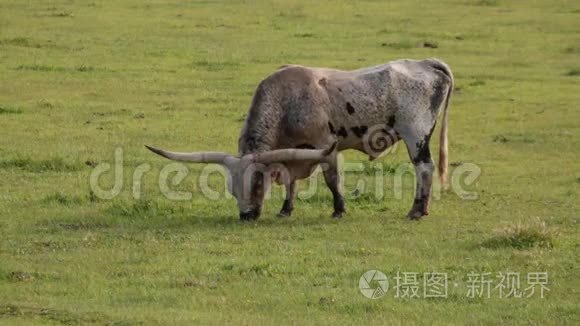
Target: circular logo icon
{"points": [[373, 284]]}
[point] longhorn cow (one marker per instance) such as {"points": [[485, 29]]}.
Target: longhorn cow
{"points": [[301, 117]]}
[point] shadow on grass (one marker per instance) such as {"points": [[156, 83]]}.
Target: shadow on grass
{"points": [[56, 164], [20, 42], [158, 215], [63, 199], [214, 65], [522, 138], [50, 315], [573, 72], [487, 3], [49, 68], [9, 110]]}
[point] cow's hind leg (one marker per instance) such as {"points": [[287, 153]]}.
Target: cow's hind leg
{"points": [[418, 147], [288, 205], [333, 182]]}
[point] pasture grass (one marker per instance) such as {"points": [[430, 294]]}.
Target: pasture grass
{"points": [[573, 72], [79, 79], [56, 164], [9, 110], [523, 236]]}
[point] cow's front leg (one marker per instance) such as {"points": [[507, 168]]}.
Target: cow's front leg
{"points": [[421, 157], [288, 205], [333, 182]]}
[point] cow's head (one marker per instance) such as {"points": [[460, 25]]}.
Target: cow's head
{"points": [[249, 175]]}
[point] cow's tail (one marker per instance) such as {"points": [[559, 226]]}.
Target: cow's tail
{"points": [[443, 142]]}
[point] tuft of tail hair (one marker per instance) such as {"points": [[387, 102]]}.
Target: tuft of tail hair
{"points": [[443, 139]]}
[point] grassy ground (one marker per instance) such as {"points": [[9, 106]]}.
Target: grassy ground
{"points": [[81, 78]]}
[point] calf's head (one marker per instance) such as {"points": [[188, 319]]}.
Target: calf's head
{"points": [[249, 175]]}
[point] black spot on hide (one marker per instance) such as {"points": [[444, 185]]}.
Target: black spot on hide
{"points": [[359, 131], [305, 146], [349, 108], [391, 122], [331, 127], [423, 152], [342, 132], [437, 97]]}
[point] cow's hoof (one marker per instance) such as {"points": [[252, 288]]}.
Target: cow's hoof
{"points": [[337, 214], [415, 215], [249, 216], [247, 220], [284, 213]]}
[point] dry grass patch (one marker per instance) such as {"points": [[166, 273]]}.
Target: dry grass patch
{"points": [[523, 236]]}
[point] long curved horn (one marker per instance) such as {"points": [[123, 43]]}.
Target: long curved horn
{"points": [[197, 157], [292, 154]]}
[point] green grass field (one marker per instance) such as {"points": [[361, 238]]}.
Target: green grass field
{"points": [[79, 79]]}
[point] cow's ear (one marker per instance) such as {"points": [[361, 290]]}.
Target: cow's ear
{"points": [[330, 149]]}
